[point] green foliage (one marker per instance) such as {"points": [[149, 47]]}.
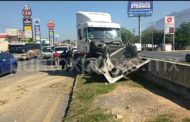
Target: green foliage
{"points": [[126, 35], [182, 35], [82, 108], [151, 34]]}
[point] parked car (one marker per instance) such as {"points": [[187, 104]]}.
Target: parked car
{"points": [[47, 52], [61, 49], [187, 57], [8, 63]]}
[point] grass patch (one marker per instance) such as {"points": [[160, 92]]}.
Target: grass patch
{"points": [[186, 120], [163, 118], [82, 109], [130, 83]]}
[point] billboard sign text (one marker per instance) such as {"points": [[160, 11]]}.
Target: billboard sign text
{"points": [[140, 8]]}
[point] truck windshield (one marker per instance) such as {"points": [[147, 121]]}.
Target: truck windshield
{"points": [[103, 33], [17, 48]]}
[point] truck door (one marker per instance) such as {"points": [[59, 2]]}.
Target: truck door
{"points": [[85, 37], [83, 42]]}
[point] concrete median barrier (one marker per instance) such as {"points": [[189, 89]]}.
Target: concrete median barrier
{"points": [[173, 76]]}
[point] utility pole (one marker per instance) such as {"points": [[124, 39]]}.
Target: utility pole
{"points": [[152, 36], [139, 17], [134, 31]]}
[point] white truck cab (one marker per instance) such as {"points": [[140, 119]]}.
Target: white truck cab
{"points": [[95, 26]]}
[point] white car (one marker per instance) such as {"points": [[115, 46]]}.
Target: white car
{"points": [[47, 52], [138, 47]]}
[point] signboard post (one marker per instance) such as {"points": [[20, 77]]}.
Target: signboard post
{"points": [[27, 22], [169, 29], [140, 9], [51, 26], [37, 30]]}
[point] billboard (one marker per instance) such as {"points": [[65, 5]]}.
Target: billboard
{"points": [[36, 21], [26, 11], [28, 33], [51, 24], [37, 32], [140, 8], [169, 25], [26, 28], [27, 21]]}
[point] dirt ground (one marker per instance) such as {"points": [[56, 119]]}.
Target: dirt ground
{"points": [[34, 96], [134, 104]]}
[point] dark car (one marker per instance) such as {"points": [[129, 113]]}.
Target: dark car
{"points": [[187, 57], [8, 64]]}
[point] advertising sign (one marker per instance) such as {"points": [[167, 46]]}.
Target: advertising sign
{"points": [[51, 24], [26, 28], [26, 11], [27, 21], [140, 8], [37, 32], [12, 32], [169, 25], [28, 33], [51, 33], [36, 21]]}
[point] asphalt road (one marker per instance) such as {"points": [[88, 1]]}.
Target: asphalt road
{"points": [[36, 93], [177, 56]]}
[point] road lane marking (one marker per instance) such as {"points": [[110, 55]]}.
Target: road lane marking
{"points": [[52, 110], [185, 64], [175, 51]]}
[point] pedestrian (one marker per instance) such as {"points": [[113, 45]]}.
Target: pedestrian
{"points": [[69, 56], [63, 59], [56, 58]]}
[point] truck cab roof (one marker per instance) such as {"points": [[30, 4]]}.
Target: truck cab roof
{"points": [[100, 24]]}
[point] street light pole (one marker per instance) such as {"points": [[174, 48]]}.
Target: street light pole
{"points": [[140, 30], [152, 36]]}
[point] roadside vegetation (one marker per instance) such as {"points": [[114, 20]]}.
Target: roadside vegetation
{"points": [[151, 34], [82, 109], [91, 95]]}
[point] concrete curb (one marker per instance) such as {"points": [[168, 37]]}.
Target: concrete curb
{"points": [[70, 97]]}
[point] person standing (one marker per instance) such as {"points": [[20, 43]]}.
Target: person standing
{"points": [[56, 58], [69, 56]]}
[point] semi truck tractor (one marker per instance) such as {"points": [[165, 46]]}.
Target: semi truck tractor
{"points": [[100, 48]]}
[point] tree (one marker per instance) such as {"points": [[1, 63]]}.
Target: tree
{"points": [[126, 35], [151, 34], [146, 36], [182, 36]]}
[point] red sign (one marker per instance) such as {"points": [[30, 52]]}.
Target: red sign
{"points": [[51, 25], [169, 19], [26, 12]]}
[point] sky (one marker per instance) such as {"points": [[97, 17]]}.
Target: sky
{"points": [[64, 14]]}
